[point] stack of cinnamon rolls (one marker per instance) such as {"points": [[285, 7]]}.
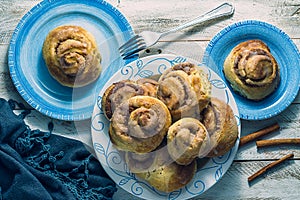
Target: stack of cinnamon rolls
{"points": [[163, 126]]}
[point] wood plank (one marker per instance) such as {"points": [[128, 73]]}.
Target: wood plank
{"points": [[8, 90], [160, 15], [289, 121], [3, 57], [11, 11], [164, 15], [234, 184]]}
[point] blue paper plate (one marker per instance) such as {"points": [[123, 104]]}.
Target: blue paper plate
{"points": [[27, 67], [282, 48]]}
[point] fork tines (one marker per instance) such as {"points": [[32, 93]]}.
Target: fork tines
{"points": [[132, 46]]}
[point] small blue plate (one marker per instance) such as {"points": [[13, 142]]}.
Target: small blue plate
{"points": [[282, 48], [28, 69]]}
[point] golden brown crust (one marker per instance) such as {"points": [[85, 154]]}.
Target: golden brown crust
{"points": [[187, 139], [185, 90], [117, 93], [72, 56], [221, 124], [145, 162], [150, 86], [252, 70], [168, 176], [139, 124], [140, 162], [120, 91]]}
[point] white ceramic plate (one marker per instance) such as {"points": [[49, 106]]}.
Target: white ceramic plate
{"points": [[28, 69], [282, 48], [208, 173]]}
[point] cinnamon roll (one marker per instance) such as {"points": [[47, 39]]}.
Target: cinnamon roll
{"points": [[221, 124], [145, 162], [72, 56], [150, 86], [252, 70], [185, 89], [187, 139], [140, 162], [139, 124], [168, 176], [118, 92]]}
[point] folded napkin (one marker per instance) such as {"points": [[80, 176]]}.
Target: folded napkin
{"points": [[40, 165]]}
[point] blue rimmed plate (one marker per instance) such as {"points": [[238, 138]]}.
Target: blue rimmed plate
{"points": [[27, 67], [208, 173], [282, 48]]}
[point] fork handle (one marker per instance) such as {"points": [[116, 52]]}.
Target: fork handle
{"points": [[224, 9]]}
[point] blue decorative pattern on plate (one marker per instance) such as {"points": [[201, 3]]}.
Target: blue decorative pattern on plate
{"points": [[27, 67], [282, 48], [207, 175]]}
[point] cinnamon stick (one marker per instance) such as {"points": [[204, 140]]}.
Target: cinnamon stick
{"points": [[259, 133], [274, 142], [269, 166]]}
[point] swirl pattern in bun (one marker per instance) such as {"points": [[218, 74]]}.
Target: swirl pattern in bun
{"points": [[118, 92], [187, 139], [139, 124], [252, 70], [221, 124], [150, 86], [72, 56], [185, 89]]}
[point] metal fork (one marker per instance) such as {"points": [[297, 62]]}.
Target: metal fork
{"points": [[146, 39]]}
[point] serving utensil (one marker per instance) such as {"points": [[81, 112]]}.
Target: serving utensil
{"points": [[146, 39]]}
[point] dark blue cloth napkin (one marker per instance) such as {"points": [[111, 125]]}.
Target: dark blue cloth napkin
{"points": [[40, 165]]}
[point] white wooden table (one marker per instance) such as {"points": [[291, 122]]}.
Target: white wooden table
{"points": [[158, 15]]}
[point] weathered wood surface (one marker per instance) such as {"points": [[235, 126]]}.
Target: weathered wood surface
{"points": [[280, 183], [160, 15]]}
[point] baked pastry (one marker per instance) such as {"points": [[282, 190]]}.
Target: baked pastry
{"points": [[187, 139], [252, 70], [72, 56], [118, 92], [221, 124], [150, 86], [165, 175], [185, 89], [139, 124], [140, 162], [145, 162], [171, 177]]}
